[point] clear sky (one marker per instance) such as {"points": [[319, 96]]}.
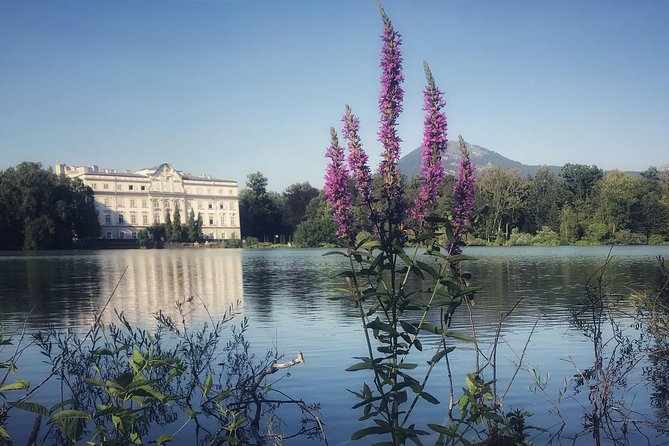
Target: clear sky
{"points": [[230, 87]]}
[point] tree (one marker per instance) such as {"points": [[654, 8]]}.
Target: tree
{"points": [[296, 197], [545, 200], [193, 234], [259, 210], [580, 180], [317, 228], [500, 203], [169, 230], [176, 226], [617, 197], [41, 210]]}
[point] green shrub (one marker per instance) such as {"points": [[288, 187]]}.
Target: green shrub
{"points": [[597, 232], [626, 237], [518, 238], [546, 237], [656, 239]]}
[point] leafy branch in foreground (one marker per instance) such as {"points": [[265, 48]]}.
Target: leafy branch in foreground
{"points": [[123, 385]]}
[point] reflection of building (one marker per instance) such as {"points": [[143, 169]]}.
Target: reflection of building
{"points": [[129, 201], [156, 279]]}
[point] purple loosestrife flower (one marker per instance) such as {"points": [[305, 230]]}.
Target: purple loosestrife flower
{"points": [[357, 158], [390, 106], [464, 194], [434, 146], [336, 188]]}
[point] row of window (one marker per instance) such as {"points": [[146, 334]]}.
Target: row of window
{"points": [[156, 219], [135, 187], [133, 235], [120, 202]]}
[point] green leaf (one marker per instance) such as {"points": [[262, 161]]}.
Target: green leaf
{"points": [[360, 366], [97, 382], [60, 405], [429, 398], [439, 428], [208, 383], [4, 434], [330, 253], [164, 438], [30, 407], [20, 384], [374, 430], [70, 413], [440, 354]]}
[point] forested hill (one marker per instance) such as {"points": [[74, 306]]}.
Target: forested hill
{"points": [[481, 157]]}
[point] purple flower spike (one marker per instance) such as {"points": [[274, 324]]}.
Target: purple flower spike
{"points": [[357, 158], [390, 106], [464, 194], [434, 146], [337, 190]]}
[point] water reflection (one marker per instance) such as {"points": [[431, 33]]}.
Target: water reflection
{"points": [[67, 289]]}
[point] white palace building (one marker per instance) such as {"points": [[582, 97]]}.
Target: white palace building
{"points": [[127, 202]]}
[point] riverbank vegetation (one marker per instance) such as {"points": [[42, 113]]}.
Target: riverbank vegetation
{"points": [[42, 210]]}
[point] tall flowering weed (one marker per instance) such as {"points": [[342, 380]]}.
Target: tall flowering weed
{"points": [[394, 314]]}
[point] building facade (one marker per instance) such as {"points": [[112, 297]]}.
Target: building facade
{"points": [[127, 202]]}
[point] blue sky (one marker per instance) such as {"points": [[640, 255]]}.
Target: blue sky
{"points": [[232, 87]]}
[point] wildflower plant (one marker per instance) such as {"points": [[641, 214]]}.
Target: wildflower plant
{"points": [[403, 283]]}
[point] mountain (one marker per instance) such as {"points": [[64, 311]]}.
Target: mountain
{"points": [[481, 157]]}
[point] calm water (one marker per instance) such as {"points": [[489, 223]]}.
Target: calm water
{"points": [[284, 294]]}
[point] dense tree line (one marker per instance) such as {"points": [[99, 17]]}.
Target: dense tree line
{"points": [[42, 210], [269, 216], [579, 204]]}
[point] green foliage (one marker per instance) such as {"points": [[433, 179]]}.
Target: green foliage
{"points": [[143, 239], [580, 180], [546, 237], [656, 239], [129, 386], [627, 237], [41, 210], [518, 238], [259, 209], [317, 229], [597, 233]]}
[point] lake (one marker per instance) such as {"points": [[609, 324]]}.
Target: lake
{"points": [[285, 296]]}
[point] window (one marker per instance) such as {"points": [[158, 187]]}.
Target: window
{"points": [[232, 219], [142, 187], [120, 218], [107, 201], [166, 204], [109, 234], [95, 185], [145, 219], [156, 203], [133, 234], [208, 191], [119, 202], [105, 186], [156, 218], [199, 205], [131, 187], [133, 219], [220, 192], [121, 234], [107, 218], [211, 206], [144, 204], [211, 220], [132, 203], [229, 191], [221, 206], [118, 187]]}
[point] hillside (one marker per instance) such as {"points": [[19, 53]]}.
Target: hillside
{"points": [[481, 157]]}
